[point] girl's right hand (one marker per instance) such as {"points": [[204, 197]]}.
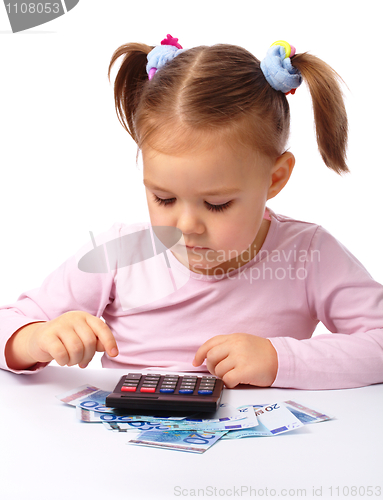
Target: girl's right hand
{"points": [[70, 339]]}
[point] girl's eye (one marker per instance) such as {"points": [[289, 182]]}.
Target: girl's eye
{"points": [[161, 201], [209, 206], [218, 208]]}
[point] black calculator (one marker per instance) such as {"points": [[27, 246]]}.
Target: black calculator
{"points": [[175, 393]]}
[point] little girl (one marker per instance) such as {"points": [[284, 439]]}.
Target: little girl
{"points": [[217, 277]]}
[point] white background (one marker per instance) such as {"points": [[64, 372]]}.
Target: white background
{"points": [[68, 167]]}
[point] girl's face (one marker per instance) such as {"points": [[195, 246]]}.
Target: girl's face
{"points": [[216, 197]]}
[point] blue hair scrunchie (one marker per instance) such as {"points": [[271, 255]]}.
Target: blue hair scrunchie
{"points": [[159, 56], [278, 70]]}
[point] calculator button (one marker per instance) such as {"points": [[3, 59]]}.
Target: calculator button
{"points": [[167, 389], [128, 388], [148, 389], [186, 391], [205, 392], [132, 376]]}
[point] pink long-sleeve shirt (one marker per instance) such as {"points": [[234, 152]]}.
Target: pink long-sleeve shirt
{"points": [[160, 312]]}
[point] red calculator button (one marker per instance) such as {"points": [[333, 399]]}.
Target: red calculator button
{"points": [[128, 389], [148, 389]]}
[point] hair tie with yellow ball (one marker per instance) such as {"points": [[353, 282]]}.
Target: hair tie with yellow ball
{"points": [[278, 70]]}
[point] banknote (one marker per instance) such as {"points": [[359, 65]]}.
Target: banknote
{"points": [[135, 426], [248, 419], [225, 413], [99, 407], [273, 419], [306, 415], [134, 420], [95, 416], [92, 398], [85, 392], [227, 417], [191, 442]]}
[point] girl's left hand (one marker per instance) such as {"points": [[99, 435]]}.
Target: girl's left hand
{"points": [[239, 358]]}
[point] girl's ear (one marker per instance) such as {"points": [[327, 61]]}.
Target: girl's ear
{"points": [[280, 174]]}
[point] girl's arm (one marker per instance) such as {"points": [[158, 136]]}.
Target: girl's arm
{"points": [[342, 295], [60, 320], [70, 339]]}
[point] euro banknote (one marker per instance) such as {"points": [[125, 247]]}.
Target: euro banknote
{"points": [[85, 392], [306, 415], [273, 419], [134, 422], [192, 442]]}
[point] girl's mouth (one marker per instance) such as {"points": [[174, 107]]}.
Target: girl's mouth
{"points": [[196, 248]]}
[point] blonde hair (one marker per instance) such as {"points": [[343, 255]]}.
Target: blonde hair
{"points": [[221, 90]]}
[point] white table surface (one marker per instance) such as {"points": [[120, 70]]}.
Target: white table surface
{"points": [[47, 454]]}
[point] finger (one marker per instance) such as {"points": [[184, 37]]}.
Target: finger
{"points": [[217, 353], [56, 350], [89, 341], [74, 346], [106, 341], [202, 351], [231, 378], [223, 365], [211, 368]]}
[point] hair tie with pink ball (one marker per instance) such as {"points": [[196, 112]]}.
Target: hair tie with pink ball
{"points": [[162, 54]]}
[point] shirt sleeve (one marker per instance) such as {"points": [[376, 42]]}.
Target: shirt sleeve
{"points": [[66, 289], [343, 296]]}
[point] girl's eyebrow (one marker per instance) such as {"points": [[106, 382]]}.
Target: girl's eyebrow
{"points": [[216, 192]]}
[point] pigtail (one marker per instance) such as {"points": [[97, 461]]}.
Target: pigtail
{"points": [[329, 110], [129, 82]]}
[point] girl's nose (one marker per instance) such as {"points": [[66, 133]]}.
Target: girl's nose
{"points": [[189, 222]]}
